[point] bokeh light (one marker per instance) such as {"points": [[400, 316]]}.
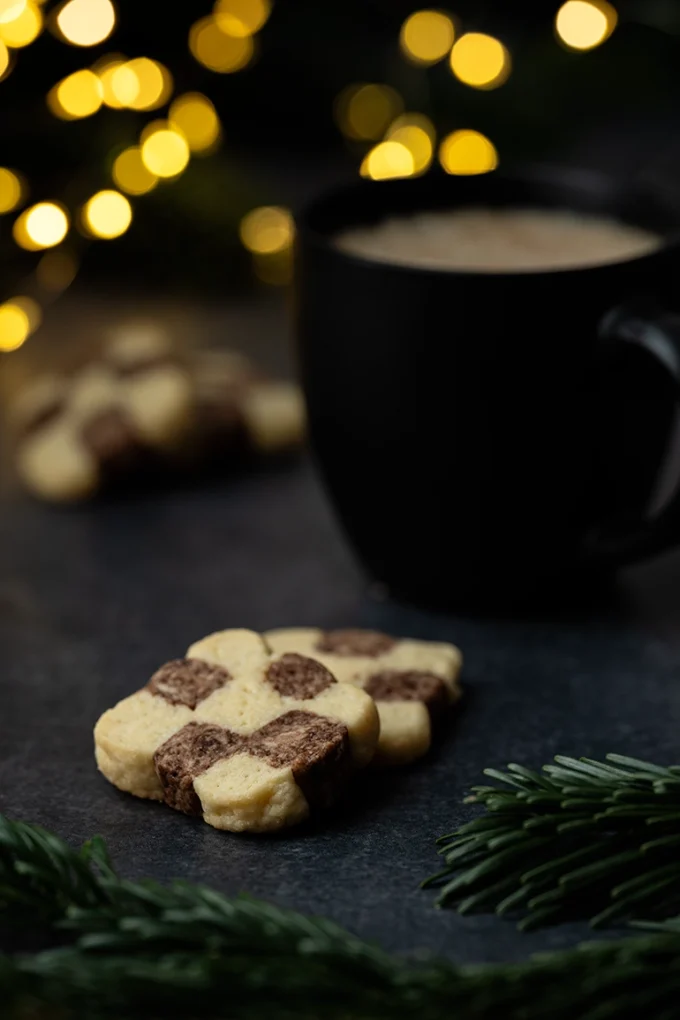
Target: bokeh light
{"points": [[467, 152], [418, 144], [267, 230], [22, 29], [154, 83], [107, 214], [56, 270], [32, 310], [124, 85], [427, 36], [14, 326], [241, 17], [130, 174], [165, 151], [364, 112], [11, 9], [11, 189], [4, 60], [86, 22], [79, 95], [409, 119], [480, 61], [585, 24], [417, 133], [117, 89], [216, 49], [41, 226], [386, 160], [195, 116]]}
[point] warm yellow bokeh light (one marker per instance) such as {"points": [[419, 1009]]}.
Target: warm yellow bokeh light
{"points": [[386, 160], [124, 85], [241, 17], [165, 152], [467, 152], [79, 95], [11, 9], [195, 116], [267, 230], [56, 270], [218, 51], [480, 61], [14, 326], [32, 310], [11, 190], [410, 119], [365, 111], [107, 214], [22, 29], [427, 36], [154, 84], [4, 59], [86, 22], [114, 82], [584, 24], [41, 226], [130, 174], [418, 143]]}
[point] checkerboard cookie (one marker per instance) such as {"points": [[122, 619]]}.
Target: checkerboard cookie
{"points": [[247, 739], [89, 433], [76, 435], [140, 408], [412, 682]]}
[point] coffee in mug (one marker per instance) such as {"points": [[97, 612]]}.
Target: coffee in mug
{"points": [[488, 436], [499, 240]]}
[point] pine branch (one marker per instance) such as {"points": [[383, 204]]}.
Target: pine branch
{"points": [[41, 876], [618, 981], [581, 839], [142, 950]]}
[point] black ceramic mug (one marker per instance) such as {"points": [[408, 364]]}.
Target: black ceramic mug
{"points": [[491, 436]]}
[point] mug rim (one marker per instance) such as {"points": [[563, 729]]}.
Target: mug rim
{"points": [[569, 178]]}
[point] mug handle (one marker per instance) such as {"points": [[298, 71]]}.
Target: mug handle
{"points": [[658, 333]]}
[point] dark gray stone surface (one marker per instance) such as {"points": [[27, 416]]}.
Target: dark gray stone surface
{"points": [[93, 599]]}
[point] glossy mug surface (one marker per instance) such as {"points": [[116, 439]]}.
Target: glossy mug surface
{"points": [[488, 437]]}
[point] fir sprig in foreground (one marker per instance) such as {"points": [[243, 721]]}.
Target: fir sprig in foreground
{"points": [[581, 839], [139, 949], [117, 949]]}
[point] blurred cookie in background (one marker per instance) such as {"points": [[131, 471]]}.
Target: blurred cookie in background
{"points": [[77, 436], [140, 411], [238, 408]]}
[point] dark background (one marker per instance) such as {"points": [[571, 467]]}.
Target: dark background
{"points": [[281, 143]]}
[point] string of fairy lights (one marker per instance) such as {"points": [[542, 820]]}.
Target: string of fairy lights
{"points": [[399, 143], [407, 142], [224, 42]]}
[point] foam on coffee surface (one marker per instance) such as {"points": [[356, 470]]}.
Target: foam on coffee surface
{"points": [[499, 240]]}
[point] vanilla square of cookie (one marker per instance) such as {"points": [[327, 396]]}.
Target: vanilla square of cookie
{"points": [[246, 739], [413, 683]]}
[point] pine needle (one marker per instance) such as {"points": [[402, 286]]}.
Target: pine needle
{"points": [[598, 840]]}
